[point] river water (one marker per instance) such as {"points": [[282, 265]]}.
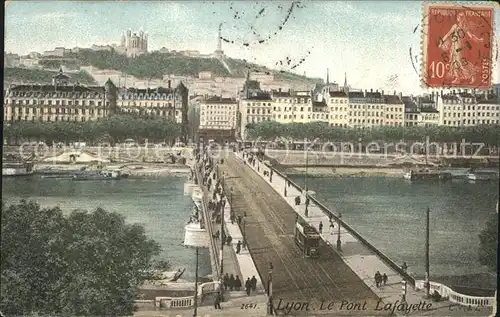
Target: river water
{"points": [[390, 213], [158, 204]]}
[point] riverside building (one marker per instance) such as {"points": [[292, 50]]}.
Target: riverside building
{"points": [[218, 119], [61, 101], [468, 108]]}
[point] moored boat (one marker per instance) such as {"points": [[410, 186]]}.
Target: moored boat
{"points": [[482, 176], [97, 175], [426, 174], [17, 169]]}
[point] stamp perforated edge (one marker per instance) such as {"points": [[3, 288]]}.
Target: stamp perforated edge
{"points": [[424, 28]]}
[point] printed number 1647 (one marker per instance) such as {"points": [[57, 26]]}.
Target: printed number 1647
{"points": [[248, 306]]}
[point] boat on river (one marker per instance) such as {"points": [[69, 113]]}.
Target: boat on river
{"points": [[482, 176], [19, 168], [427, 174], [98, 175]]}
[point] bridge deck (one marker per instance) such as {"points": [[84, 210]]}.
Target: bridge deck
{"points": [[270, 225]]}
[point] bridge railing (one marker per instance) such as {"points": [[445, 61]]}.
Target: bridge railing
{"points": [[456, 297], [182, 302], [353, 232], [208, 224]]}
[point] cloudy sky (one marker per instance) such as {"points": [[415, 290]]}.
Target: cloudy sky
{"points": [[368, 40]]}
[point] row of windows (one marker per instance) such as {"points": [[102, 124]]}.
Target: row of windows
{"points": [[148, 97], [415, 117], [258, 104], [425, 124], [56, 102], [146, 104], [49, 118], [469, 121], [30, 110], [233, 107], [479, 114], [473, 108], [56, 95]]}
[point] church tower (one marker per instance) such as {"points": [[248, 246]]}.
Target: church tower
{"points": [[346, 88]]}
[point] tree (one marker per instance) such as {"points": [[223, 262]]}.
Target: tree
{"points": [[488, 239], [83, 264]]}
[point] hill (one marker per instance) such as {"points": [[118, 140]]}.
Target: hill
{"points": [[154, 65], [38, 76]]}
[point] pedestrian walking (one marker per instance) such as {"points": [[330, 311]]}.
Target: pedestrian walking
{"points": [[253, 282], [237, 283], [217, 301], [238, 247], [229, 239], [226, 281], [384, 278], [320, 227], [377, 278], [231, 282], [248, 286]]}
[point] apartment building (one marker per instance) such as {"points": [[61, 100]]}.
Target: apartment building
{"points": [[168, 103], [218, 119], [60, 101], [465, 108]]}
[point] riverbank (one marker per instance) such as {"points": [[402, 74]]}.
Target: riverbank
{"points": [[135, 169], [344, 171]]}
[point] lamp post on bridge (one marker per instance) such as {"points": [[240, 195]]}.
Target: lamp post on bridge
{"points": [[195, 312], [427, 221], [404, 267], [339, 243], [244, 233], [306, 147], [270, 290]]}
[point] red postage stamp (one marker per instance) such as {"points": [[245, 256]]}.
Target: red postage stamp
{"points": [[457, 46]]}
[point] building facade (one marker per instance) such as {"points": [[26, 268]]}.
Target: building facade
{"points": [[166, 103], [60, 101], [218, 119], [464, 108]]}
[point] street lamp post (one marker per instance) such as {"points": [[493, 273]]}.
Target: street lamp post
{"points": [[222, 234], [339, 243], [427, 220], [307, 164], [195, 312], [270, 289], [404, 267], [244, 233], [231, 202]]}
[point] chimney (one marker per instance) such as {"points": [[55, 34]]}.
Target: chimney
{"points": [[364, 94], [169, 84], [279, 89], [382, 93], [371, 90], [441, 94], [401, 95], [394, 93], [486, 95]]}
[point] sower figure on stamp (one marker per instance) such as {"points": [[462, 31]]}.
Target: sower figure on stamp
{"points": [[452, 44]]}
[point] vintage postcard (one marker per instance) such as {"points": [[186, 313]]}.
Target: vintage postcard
{"points": [[250, 158]]}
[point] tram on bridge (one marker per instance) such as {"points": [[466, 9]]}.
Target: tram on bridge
{"points": [[307, 238]]}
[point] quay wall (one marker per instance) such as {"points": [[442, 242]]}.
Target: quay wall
{"points": [[353, 232], [214, 259], [291, 158]]}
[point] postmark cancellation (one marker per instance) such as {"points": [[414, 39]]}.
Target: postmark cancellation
{"points": [[457, 45]]}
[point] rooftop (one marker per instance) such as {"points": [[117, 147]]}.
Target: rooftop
{"points": [[220, 100]]}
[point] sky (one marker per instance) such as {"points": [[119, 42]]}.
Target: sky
{"points": [[368, 40]]}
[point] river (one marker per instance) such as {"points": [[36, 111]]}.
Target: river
{"points": [[390, 213], [158, 204]]}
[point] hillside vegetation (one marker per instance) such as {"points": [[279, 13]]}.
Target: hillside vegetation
{"points": [[154, 65], [38, 76]]}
